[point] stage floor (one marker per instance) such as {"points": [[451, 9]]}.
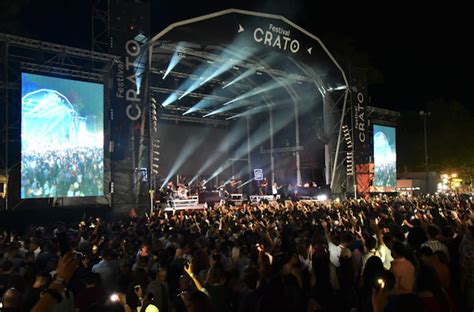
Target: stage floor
{"points": [[193, 207]]}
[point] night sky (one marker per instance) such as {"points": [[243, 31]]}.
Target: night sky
{"points": [[422, 52]]}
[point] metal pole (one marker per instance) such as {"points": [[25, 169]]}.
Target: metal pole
{"points": [[7, 126], [297, 143], [248, 153], [426, 114], [338, 143], [272, 159]]}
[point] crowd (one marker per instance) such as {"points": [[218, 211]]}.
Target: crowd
{"points": [[70, 172], [377, 254]]}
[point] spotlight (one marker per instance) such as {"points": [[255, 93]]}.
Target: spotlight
{"points": [[322, 197], [174, 61], [349, 164], [337, 88]]}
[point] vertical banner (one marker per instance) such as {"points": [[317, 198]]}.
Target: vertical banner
{"points": [[129, 37], [359, 126], [129, 29]]}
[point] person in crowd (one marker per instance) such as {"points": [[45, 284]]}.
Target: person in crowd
{"points": [[159, 290], [433, 243], [32, 294], [403, 269], [107, 269], [433, 297], [11, 300], [467, 265], [92, 297], [429, 258]]}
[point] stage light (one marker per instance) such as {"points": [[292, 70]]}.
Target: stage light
{"points": [[202, 104], [170, 99], [184, 94], [141, 38], [189, 147], [246, 74], [268, 86], [174, 60], [261, 134], [245, 183], [322, 197], [263, 107], [236, 134], [336, 88], [349, 164], [211, 69], [153, 115]]}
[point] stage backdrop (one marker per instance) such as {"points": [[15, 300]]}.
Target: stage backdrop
{"points": [[62, 137]]}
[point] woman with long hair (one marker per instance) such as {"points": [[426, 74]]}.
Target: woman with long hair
{"points": [[428, 288]]}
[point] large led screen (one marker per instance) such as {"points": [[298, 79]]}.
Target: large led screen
{"points": [[385, 159], [62, 137]]}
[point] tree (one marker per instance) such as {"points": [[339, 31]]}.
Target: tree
{"points": [[450, 145]]}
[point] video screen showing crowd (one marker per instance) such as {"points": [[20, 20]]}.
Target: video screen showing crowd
{"points": [[385, 159], [61, 138]]}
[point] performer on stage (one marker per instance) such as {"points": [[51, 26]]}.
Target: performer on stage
{"points": [[164, 198], [275, 189], [263, 186], [224, 195], [170, 189], [182, 191], [232, 186]]}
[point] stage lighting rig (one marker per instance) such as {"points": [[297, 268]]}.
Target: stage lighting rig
{"points": [[154, 115], [349, 154]]}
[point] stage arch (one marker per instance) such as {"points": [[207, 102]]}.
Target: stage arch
{"points": [[231, 64]]}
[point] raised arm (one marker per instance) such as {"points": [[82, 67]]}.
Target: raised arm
{"points": [[377, 231], [52, 295], [189, 269], [327, 234]]}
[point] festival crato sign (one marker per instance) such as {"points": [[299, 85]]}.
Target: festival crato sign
{"points": [[276, 37]]}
